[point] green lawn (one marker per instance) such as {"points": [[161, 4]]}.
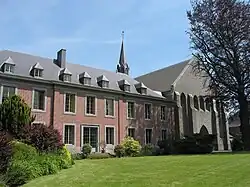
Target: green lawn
{"points": [[174, 171]]}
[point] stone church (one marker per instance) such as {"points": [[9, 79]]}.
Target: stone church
{"points": [[194, 113]]}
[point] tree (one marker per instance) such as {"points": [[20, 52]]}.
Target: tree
{"points": [[14, 115], [220, 37]]}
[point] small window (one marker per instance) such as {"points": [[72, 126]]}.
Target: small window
{"points": [[163, 134], [8, 91], [105, 84], [66, 78], [147, 108], [127, 88], [87, 81], [38, 73], [9, 68], [163, 112], [69, 134], [143, 91], [90, 105], [131, 110], [196, 102], [148, 138], [110, 135], [131, 132], [39, 100], [70, 102], [109, 107]]}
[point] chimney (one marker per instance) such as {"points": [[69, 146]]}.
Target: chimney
{"points": [[61, 58]]}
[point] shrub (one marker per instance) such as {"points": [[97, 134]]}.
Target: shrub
{"points": [[5, 151], [65, 155], [77, 156], [45, 139], [237, 143], [86, 150], [14, 115], [147, 150], [119, 151], [196, 144], [22, 151], [99, 156], [131, 147], [165, 147]]}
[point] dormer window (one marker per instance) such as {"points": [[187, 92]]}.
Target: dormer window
{"points": [[8, 66], [65, 75], [102, 81], [37, 71], [124, 85], [85, 78], [141, 88]]}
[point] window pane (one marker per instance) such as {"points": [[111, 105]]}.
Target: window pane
{"points": [[131, 110], [90, 105], [164, 134], [110, 135], [8, 91], [110, 107], [131, 132], [67, 103], [39, 100], [69, 134], [148, 136]]}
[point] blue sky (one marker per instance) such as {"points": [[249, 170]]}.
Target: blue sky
{"points": [[90, 30]]}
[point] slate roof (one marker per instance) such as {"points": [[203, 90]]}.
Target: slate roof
{"points": [[23, 63], [162, 79]]}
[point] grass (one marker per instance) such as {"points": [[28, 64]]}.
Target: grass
{"points": [[227, 170]]}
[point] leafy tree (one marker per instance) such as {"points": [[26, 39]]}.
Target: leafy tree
{"points": [[220, 37], [14, 115]]}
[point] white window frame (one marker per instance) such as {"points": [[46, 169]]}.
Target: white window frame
{"points": [[40, 73], [151, 109], [38, 122], [69, 124], [145, 135], [85, 105], [64, 103], [128, 130], [166, 108], [8, 85], [131, 101], [107, 98], [115, 136], [98, 136], [45, 99], [10, 65]]}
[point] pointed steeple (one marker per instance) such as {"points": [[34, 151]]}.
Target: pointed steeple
{"points": [[122, 66]]}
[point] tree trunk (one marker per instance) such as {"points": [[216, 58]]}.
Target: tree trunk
{"points": [[244, 121]]}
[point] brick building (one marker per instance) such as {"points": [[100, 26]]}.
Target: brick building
{"points": [[89, 105]]}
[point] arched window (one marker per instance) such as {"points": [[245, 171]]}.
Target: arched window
{"points": [[196, 102], [202, 103], [208, 104]]}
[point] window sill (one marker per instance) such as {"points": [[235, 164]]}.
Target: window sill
{"points": [[147, 119], [37, 110], [70, 113], [128, 118], [90, 115], [108, 116]]}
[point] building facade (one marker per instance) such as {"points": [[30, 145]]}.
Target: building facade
{"points": [[89, 105]]}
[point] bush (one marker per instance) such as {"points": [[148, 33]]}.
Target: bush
{"points": [[45, 139], [131, 147], [99, 156], [5, 151], [165, 147], [196, 144], [14, 115], [86, 150], [27, 163], [147, 150], [77, 156], [119, 151], [237, 143]]}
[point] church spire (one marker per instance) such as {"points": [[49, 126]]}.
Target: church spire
{"points": [[122, 66]]}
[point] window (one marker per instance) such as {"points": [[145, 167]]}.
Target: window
{"points": [[163, 134], [127, 88], [104, 84], [7, 92], [70, 103], [38, 73], [66, 78], [163, 112], [131, 132], [148, 138], [69, 134], [110, 135], [131, 110], [109, 107], [39, 100], [90, 105], [86, 81], [147, 111], [9, 68]]}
